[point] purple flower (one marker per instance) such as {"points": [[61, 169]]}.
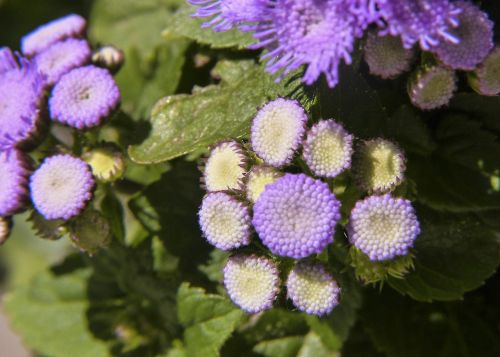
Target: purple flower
{"points": [[225, 167], [15, 170], [277, 131], [84, 97], [21, 97], [476, 39], [383, 227], [252, 282], [486, 78], [328, 149], [228, 13], [316, 33], [61, 187], [432, 87], [42, 37], [312, 289], [8, 60], [296, 216], [224, 221], [427, 22], [62, 57]]}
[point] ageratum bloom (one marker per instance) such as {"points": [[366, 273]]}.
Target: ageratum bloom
{"points": [[277, 131], [252, 282], [328, 149], [428, 22], [257, 180], [225, 167], [62, 57], [312, 289], [107, 163], [84, 97], [224, 221], [42, 37], [476, 39], [8, 60], [316, 33], [15, 170], [21, 103], [432, 87], [383, 227], [296, 216], [61, 187], [486, 78]]}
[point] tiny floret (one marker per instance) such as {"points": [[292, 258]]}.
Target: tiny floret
{"points": [[225, 167], [84, 97], [252, 282], [14, 173], [328, 149], [312, 289], [432, 87], [379, 165], [257, 180], [42, 37], [383, 227], [277, 131], [224, 221], [486, 78], [296, 216], [61, 187]]}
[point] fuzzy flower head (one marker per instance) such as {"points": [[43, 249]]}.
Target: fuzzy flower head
{"points": [[225, 167], [61, 187], [379, 166], [257, 180], [432, 87], [386, 57], [312, 289], [252, 282], [107, 163], [316, 33], [21, 104], [277, 131], [62, 57], [224, 221], [109, 57], [383, 227], [296, 216], [428, 22], [476, 39], [14, 169], [8, 60], [44, 36], [486, 78], [328, 149], [84, 97], [226, 14]]}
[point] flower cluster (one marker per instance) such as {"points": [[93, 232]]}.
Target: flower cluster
{"points": [[320, 34], [53, 80], [272, 199]]}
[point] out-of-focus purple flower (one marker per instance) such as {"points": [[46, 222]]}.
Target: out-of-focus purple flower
{"points": [[15, 170], [42, 37], [84, 97], [486, 78], [8, 60]]}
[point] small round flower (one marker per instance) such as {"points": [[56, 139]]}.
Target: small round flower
{"points": [[107, 163], [84, 97], [476, 39], [252, 282], [8, 60], [42, 37], [5, 224], [296, 216], [312, 289], [21, 97], [109, 57], [277, 131], [328, 149], [225, 167], [61, 187], [224, 221], [486, 78], [427, 22], [62, 57], [383, 227], [15, 170], [386, 57], [379, 165], [258, 178], [432, 87]]}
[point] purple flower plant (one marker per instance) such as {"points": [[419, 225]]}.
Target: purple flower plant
{"points": [[15, 170], [8, 60]]}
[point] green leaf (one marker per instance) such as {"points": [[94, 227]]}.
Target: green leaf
{"points": [[281, 347], [184, 123], [209, 320], [479, 107], [183, 24], [455, 253]]}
